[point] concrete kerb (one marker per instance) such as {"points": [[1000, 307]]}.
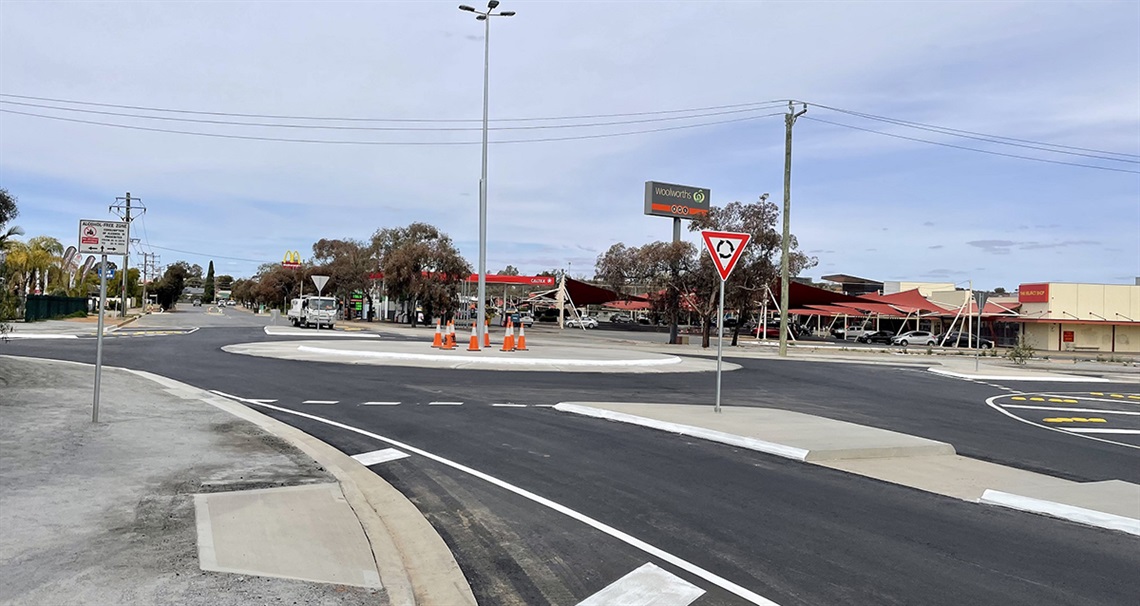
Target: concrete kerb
{"points": [[780, 450], [854, 458], [415, 565], [1072, 513]]}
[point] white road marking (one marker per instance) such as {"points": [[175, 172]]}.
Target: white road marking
{"points": [[380, 404], [1064, 409], [543, 405], [509, 405], [445, 403], [648, 585], [990, 402], [379, 456], [1131, 432], [628, 539], [320, 401], [263, 401]]}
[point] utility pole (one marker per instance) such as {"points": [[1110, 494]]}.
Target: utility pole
{"points": [[123, 205], [789, 120]]}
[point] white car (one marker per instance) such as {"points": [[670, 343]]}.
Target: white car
{"points": [[585, 322], [917, 337]]}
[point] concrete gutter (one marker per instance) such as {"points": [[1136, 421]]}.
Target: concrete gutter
{"points": [[415, 565]]}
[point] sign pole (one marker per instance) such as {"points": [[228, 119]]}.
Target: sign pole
{"points": [[99, 340], [725, 248], [719, 343]]}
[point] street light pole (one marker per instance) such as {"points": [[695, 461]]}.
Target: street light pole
{"points": [[481, 304]]}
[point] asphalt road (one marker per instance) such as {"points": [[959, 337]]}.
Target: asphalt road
{"points": [[793, 533]]}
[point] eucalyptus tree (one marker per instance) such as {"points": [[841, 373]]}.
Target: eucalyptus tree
{"points": [[421, 265]]}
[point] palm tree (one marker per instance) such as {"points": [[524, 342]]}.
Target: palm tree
{"points": [[44, 254]]}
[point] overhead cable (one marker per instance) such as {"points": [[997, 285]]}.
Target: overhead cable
{"points": [[388, 143], [974, 149]]}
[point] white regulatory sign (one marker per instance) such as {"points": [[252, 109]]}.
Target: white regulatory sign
{"points": [[103, 237]]}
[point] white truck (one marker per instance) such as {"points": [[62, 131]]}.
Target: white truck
{"points": [[310, 311]]}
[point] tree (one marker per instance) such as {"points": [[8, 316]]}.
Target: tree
{"points": [[758, 267], [668, 272], [420, 264], [509, 270], [225, 282], [999, 291], [169, 287], [208, 293], [347, 263], [8, 209]]}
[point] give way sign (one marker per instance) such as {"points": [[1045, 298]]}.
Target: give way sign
{"points": [[725, 247]]}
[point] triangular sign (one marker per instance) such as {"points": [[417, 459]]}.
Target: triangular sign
{"points": [[725, 248], [320, 281]]}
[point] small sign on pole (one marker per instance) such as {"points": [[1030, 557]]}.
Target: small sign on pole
{"points": [[725, 248], [320, 282], [103, 237]]}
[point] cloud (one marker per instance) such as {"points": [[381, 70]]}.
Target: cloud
{"points": [[997, 247], [935, 247], [928, 223], [943, 273]]}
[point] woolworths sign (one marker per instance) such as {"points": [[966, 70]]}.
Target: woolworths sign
{"points": [[669, 200]]}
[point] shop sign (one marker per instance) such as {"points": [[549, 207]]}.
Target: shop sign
{"points": [[1033, 293]]}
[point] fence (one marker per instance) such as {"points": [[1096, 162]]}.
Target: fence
{"points": [[42, 307]]}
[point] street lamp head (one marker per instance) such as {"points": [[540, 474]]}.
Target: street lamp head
{"points": [[481, 18], [493, 4], [507, 14], [763, 196], [464, 7]]}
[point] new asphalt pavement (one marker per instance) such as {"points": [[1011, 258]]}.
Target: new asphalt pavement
{"points": [[544, 507]]}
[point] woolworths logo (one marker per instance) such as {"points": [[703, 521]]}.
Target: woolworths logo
{"points": [[668, 192]]}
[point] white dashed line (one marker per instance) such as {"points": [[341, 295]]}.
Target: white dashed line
{"points": [[445, 403], [320, 401], [376, 457], [380, 404], [653, 551], [509, 405]]}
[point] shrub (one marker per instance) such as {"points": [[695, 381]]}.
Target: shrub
{"points": [[1020, 353]]}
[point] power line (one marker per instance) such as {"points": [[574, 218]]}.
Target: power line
{"points": [[974, 149], [424, 120], [379, 128], [392, 143], [210, 256], [1000, 140]]}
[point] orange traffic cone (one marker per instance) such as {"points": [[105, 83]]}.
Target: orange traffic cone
{"points": [[437, 340], [449, 338], [487, 334], [474, 346], [520, 345], [509, 337]]}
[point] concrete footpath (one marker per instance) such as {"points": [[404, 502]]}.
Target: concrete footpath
{"points": [[178, 496], [885, 455]]}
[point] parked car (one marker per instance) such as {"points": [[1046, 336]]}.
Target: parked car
{"points": [[621, 319], [916, 337], [878, 336], [838, 332], [584, 322], [854, 332], [962, 339], [197, 302]]}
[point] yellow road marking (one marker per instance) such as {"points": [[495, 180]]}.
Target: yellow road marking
{"points": [[1097, 421], [1095, 393], [1056, 419], [1071, 402], [1134, 397], [1037, 399], [1056, 400], [1074, 420], [1018, 398], [1115, 395]]}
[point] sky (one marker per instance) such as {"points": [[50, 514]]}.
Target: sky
{"points": [[1058, 81]]}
